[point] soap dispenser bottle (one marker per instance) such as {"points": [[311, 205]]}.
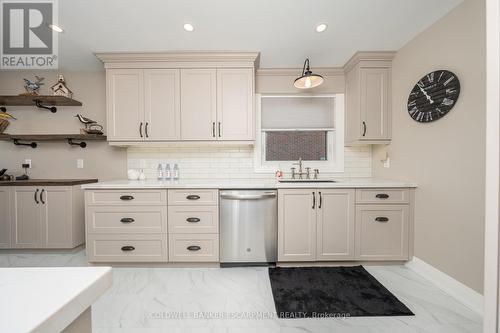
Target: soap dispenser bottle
{"points": [[168, 173], [175, 175]]}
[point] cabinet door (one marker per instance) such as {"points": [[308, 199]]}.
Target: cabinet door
{"points": [[162, 104], [375, 104], [56, 216], [26, 217], [335, 224], [297, 225], [382, 232], [235, 104], [5, 219], [198, 104], [125, 104]]}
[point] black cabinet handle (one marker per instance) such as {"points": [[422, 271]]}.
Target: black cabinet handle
{"points": [[126, 197], [314, 200], [220, 130], [382, 219], [41, 196], [320, 200], [194, 248], [364, 128], [193, 197], [127, 220], [382, 196], [193, 219], [36, 199], [128, 248], [140, 129], [213, 129], [146, 129]]}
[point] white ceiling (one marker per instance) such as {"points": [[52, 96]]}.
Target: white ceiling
{"points": [[282, 30]]}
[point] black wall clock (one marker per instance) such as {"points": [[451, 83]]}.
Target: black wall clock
{"points": [[433, 96]]}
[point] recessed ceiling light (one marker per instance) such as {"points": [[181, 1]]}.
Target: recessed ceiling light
{"points": [[188, 27], [321, 27], [56, 28]]}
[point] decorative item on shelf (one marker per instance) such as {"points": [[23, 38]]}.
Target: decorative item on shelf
{"points": [[61, 89], [4, 122], [91, 126], [433, 96], [308, 79], [33, 88]]}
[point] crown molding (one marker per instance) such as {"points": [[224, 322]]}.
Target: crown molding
{"points": [[180, 57], [324, 71], [384, 57]]}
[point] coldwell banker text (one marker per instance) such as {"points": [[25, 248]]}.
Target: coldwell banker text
{"points": [[27, 40]]}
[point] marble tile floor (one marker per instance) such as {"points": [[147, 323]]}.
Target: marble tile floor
{"points": [[230, 300]]}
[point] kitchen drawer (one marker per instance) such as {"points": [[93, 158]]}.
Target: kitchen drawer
{"points": [[126, 197], [128, 248], [128, 219], [383, 195], [193, 247], [382, 232], [193, 219], [193, 197]]}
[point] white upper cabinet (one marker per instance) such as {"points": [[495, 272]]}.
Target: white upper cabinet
{"points": [[235, 116], [125, 110], [162, 105], [368, 98], [181, 96], [198, 104]]}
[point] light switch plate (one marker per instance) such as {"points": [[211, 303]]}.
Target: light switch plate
{"points": [[79, 163]]}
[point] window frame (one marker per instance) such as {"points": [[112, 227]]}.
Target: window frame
{"points": [[335, 138]]}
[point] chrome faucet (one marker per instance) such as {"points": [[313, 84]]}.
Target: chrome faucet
{"points": [[300, 173]]}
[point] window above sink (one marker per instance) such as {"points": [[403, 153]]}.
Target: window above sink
{"points": [[289, 127]]}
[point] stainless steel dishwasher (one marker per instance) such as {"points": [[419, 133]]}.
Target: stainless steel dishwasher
{"points": [[249, 226]]}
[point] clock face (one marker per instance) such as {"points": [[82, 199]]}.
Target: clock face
{"points": [[433, 96]]}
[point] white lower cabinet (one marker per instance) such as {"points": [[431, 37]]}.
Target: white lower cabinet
{"points": [[46, 217], [315, 224], [336, 224], [5, 218], [145, 226], [382, 232], [128, 248]]}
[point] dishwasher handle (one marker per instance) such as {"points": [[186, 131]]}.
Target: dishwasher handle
{"points": [[264, 195]]}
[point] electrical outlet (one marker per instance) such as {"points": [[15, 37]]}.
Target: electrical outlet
{"points": [[28, 161], [79, 163]]}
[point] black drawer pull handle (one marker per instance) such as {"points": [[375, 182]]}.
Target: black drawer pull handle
{"points": [[193, 197], [127, 197], [193, 219], [127, 220], [382, 219], [382, 196], [194, 248], [128, 248]]}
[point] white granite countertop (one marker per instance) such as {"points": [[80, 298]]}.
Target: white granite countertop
{"points": [[246, 184], [48, 299]]}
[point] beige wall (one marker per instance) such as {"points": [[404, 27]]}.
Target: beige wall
{"points": [[447, 157], [58, 160]]}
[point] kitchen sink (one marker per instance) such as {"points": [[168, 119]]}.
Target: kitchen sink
{"points": [[306, 181]]}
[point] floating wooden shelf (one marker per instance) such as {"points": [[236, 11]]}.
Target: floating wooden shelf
{"points": [[31, 139], [41, 101]]}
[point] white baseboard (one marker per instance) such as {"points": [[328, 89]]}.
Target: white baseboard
{"points": [[465, 295]]}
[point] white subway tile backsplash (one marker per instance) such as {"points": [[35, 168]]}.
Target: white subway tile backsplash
{"points": [[229, 162]]}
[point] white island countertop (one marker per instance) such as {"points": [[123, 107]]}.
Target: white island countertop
{"points": [[246, 184], [48, 299]]}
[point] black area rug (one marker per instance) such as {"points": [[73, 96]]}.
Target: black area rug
{"points": [[314, 292]]}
